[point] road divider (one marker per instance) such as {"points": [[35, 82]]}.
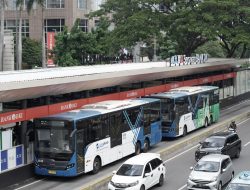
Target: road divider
{"points": [[192, 139]]}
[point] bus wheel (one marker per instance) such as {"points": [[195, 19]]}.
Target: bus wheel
{"points": [[146, 145], [137, 148], [96, 165], [184, 131]]}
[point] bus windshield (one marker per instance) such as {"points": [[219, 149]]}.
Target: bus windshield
{"points": [[52, 137]]}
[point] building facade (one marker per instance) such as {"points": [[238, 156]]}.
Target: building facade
{"points": [[57, 14]]}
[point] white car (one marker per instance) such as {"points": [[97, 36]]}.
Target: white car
{"points": [[139, 173], [211, 172]]}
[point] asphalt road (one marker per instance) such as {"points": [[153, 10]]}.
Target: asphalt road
{"points": [[177, 165]]}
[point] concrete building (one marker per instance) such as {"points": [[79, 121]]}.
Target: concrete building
{"points": [[57, 14]]}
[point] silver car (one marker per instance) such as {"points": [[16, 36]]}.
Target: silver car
{"points": [[211, 172]]}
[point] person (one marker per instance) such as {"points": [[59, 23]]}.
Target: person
{"points": [[232, 126]]}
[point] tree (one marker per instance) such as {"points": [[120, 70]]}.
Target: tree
{"points": [[41, 3], [2, 8], [229, 20], [31, 55], [134, 21], [75, 47]]}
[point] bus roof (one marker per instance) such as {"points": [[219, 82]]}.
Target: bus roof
{"points": [[100, 108], [184, 91]]}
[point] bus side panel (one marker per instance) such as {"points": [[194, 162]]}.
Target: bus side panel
{"points": [[128, 147], [215, 112], [156, 133], [102, 149], [186, 121]]}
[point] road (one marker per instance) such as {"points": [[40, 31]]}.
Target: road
{"points": [[177, 166]]}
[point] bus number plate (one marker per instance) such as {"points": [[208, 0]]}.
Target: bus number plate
{"points": [[52, 172]]}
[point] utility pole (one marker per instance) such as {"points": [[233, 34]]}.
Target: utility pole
{"points": [[2, 2]]}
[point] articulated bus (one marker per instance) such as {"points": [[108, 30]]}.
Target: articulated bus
{"points": [[86, 139], [185, 109]]}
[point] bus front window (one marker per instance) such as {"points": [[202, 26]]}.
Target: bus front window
{"points": [[53, 137]]}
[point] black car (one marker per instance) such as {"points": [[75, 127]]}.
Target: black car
{"points": [[227, 143]]}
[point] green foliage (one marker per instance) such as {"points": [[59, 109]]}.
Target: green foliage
{"points": [[212, 48], [32, 56], [182, 26], [76, 47]]}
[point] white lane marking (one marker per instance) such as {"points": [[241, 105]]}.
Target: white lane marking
{"points": [[246, 120], [30, 184], [230, 107], [183, 187], [180, 153], [246, 144]]}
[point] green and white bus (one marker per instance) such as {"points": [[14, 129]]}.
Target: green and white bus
{"points": [[188, 108]]}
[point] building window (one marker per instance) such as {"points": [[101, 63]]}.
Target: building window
{"points": [[54, 25], [83, 24], [11, 5], [82, 4], [13, 25], [55, 4]]}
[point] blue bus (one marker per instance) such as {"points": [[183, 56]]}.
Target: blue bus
{"points": [[86, 139]]}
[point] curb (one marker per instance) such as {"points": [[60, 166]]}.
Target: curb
{"points": [[101, 184]]}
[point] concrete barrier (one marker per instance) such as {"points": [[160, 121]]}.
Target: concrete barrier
{"points": [[101, 183]]}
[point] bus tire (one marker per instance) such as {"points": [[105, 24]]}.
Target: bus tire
{"points": [[146, 145], [137, 148], [184, 131], [97, 164]]}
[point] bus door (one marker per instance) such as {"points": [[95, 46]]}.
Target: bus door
{"points": [[206, 111], [115, 129], [80, 150], [147, 126]]}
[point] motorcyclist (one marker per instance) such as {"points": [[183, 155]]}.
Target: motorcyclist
{"points": [[232, 126]]}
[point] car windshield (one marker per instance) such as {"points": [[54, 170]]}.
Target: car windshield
{"points": [[130, 170], [213, 142], [237, 186], [207, 166]]}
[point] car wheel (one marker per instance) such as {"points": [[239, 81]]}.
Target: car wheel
{"points": [[137, 148], [184, 131], [219, 186], [146, 145], [142, 187], [232, 176], [161, 181], [96, 165], [237, 155]]}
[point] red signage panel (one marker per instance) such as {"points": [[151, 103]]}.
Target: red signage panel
{"points": [[50, 46], [155, 89], [191, 82], [205, 80], [63, 107], [12, 117], [132, 94], [36, 112], [217, 77]]}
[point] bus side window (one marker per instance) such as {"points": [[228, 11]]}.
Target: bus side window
{"points": [[155, 112]]}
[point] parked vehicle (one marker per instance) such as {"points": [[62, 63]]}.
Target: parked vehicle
{"points": [[240, 182], [212, 172], [140, 172], [227, 143]]}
